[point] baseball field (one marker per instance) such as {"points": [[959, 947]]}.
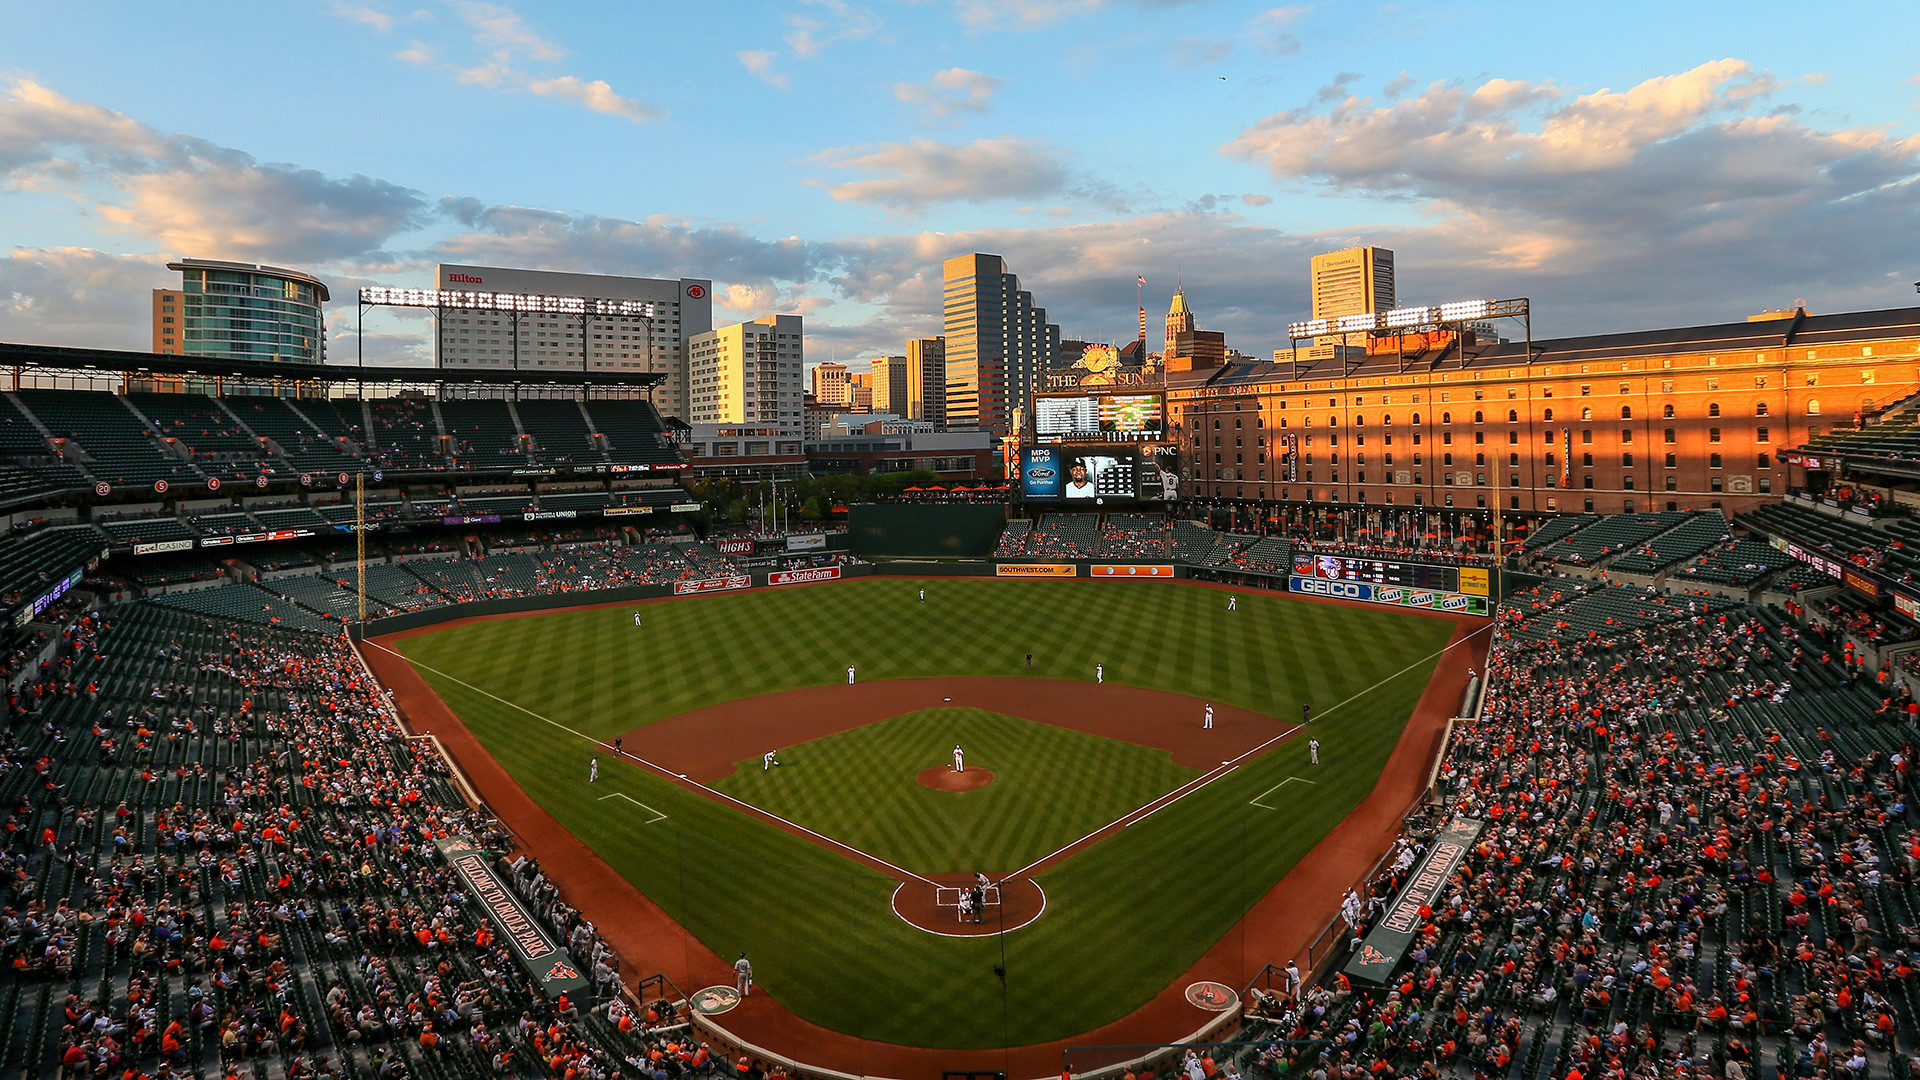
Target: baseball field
{"points": [[1203, 822]]}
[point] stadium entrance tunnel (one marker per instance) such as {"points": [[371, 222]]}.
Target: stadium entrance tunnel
{"points": [[933, 905], [944, 778]]}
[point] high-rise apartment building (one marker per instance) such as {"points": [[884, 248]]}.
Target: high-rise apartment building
{"points": [[927, 380], [240, 311], [989, 318], [831, 385], [1352, 282], [599, 344], [860, 391], [749, 374], [890, 385]]}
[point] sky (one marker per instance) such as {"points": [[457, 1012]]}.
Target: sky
{"points": [[1625, 166]]}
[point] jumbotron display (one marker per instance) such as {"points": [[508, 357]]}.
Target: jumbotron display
{"points": [[1099, 474], [1099, 418]]}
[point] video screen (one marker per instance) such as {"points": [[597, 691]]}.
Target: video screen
{"points": [[1041, 475], [1099, 418], [1137, 415], [1099, 472], [1158, 476]]}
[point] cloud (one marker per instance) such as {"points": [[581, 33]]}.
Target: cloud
{"points": [[189, 195], [358, 13], [1268, 30], [759, 64], [955, 90], [78, 296], [1398, 88], [1252, 199], [913, 175], [503, 53], [836, 21], [595, 95], [1021, 14], [1189, 52]]}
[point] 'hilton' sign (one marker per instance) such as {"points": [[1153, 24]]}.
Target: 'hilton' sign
{"points": [[465, 279]]}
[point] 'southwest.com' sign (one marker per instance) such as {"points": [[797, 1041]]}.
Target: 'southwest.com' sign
{"points": [[1388, 942], [548, 962]]}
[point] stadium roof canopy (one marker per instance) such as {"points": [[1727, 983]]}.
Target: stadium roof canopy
{"points": [[58, 361]]}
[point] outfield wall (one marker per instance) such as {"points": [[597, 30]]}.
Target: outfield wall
{"points": [[925, 530]]}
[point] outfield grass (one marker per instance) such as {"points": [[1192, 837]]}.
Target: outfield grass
{"points": [[1125, 916], [1050, 787]]}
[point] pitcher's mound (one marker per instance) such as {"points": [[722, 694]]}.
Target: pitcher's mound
{"points": [[943, 778]]}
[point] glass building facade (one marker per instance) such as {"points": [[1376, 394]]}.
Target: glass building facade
{"points": [[238, 311]]}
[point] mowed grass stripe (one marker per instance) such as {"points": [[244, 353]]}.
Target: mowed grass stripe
{"points": [[1125, 916]]}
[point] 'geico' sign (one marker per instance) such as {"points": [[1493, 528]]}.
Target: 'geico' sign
{"points": [[1343, 590]]}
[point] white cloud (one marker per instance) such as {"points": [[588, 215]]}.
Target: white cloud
{"points": [[915, 174], [360, 13], [1021, 14], [595, 95], [503, 53], [78, 296], [1254, 199], [1269, 30], [759, 64], [829, 21], [955, 90]]}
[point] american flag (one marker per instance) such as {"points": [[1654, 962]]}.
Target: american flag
{"points": [[1141, 280]]}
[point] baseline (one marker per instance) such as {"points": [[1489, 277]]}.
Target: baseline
{"points": [[1255, 801], [657, 815]]}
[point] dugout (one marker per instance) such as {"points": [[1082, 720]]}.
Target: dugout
{"points": [[925, 530]]}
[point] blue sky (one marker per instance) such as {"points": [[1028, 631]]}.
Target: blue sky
{"points": [[1625, 165]]}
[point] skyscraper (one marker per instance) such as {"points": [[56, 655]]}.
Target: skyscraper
{"points": [[830, 384], [748, 373], [1179, 320], [239, 311], [1352, 282], [890, 385], [990, 319], [927, 380]]}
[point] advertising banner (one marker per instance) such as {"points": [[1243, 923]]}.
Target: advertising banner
{"points": [[1040, 472], [549, 515], [797, 577], [538, 952], [471, 519], [734, 547], [685, 508], [1126, 570], [1390, 938], [1905, 605], [158, 546], [732, 581], [1474, 580], [1397, 595], [816, 542], [621, 511], [1034, 570], [1861, 583]]}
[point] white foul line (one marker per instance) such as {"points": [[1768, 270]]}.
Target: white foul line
{"points": [[1255, 801], [661, 769], [1155, 805], [657, 815]]}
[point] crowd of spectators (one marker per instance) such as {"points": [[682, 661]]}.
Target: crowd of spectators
{"points": [[220, 862], [1697, 859]]}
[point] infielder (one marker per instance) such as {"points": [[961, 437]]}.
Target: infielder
{"points": [[743, 975], [593, 769], [1209, 722], [1313, 750], [1100, 673], [768, 761], [959, 759], [849, 674]]}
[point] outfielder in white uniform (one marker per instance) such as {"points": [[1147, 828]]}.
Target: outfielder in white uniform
{"points": [[1313, 750], [959, 759]]}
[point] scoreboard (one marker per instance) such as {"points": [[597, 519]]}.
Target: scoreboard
{"points": [[1380, 572]]}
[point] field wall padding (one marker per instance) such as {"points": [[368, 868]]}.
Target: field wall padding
{"points": [[925, 530]]}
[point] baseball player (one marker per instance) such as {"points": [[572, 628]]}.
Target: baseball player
{"points": [[1313, 750], [743, 976], [849, 674], [1232, 602], [1208, 725], [768, 761], [959, 759], [593, 769], [636, 619], [1100, 673], [923, 594]]}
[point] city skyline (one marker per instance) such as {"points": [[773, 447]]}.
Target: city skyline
{"points": [[1713, 170]]}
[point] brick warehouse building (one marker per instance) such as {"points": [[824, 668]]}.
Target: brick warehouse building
{"points": [[1686, 418]]}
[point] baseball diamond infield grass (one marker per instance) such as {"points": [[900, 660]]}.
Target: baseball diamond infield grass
{"points": [[1125, 916], [1051, 786]]}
